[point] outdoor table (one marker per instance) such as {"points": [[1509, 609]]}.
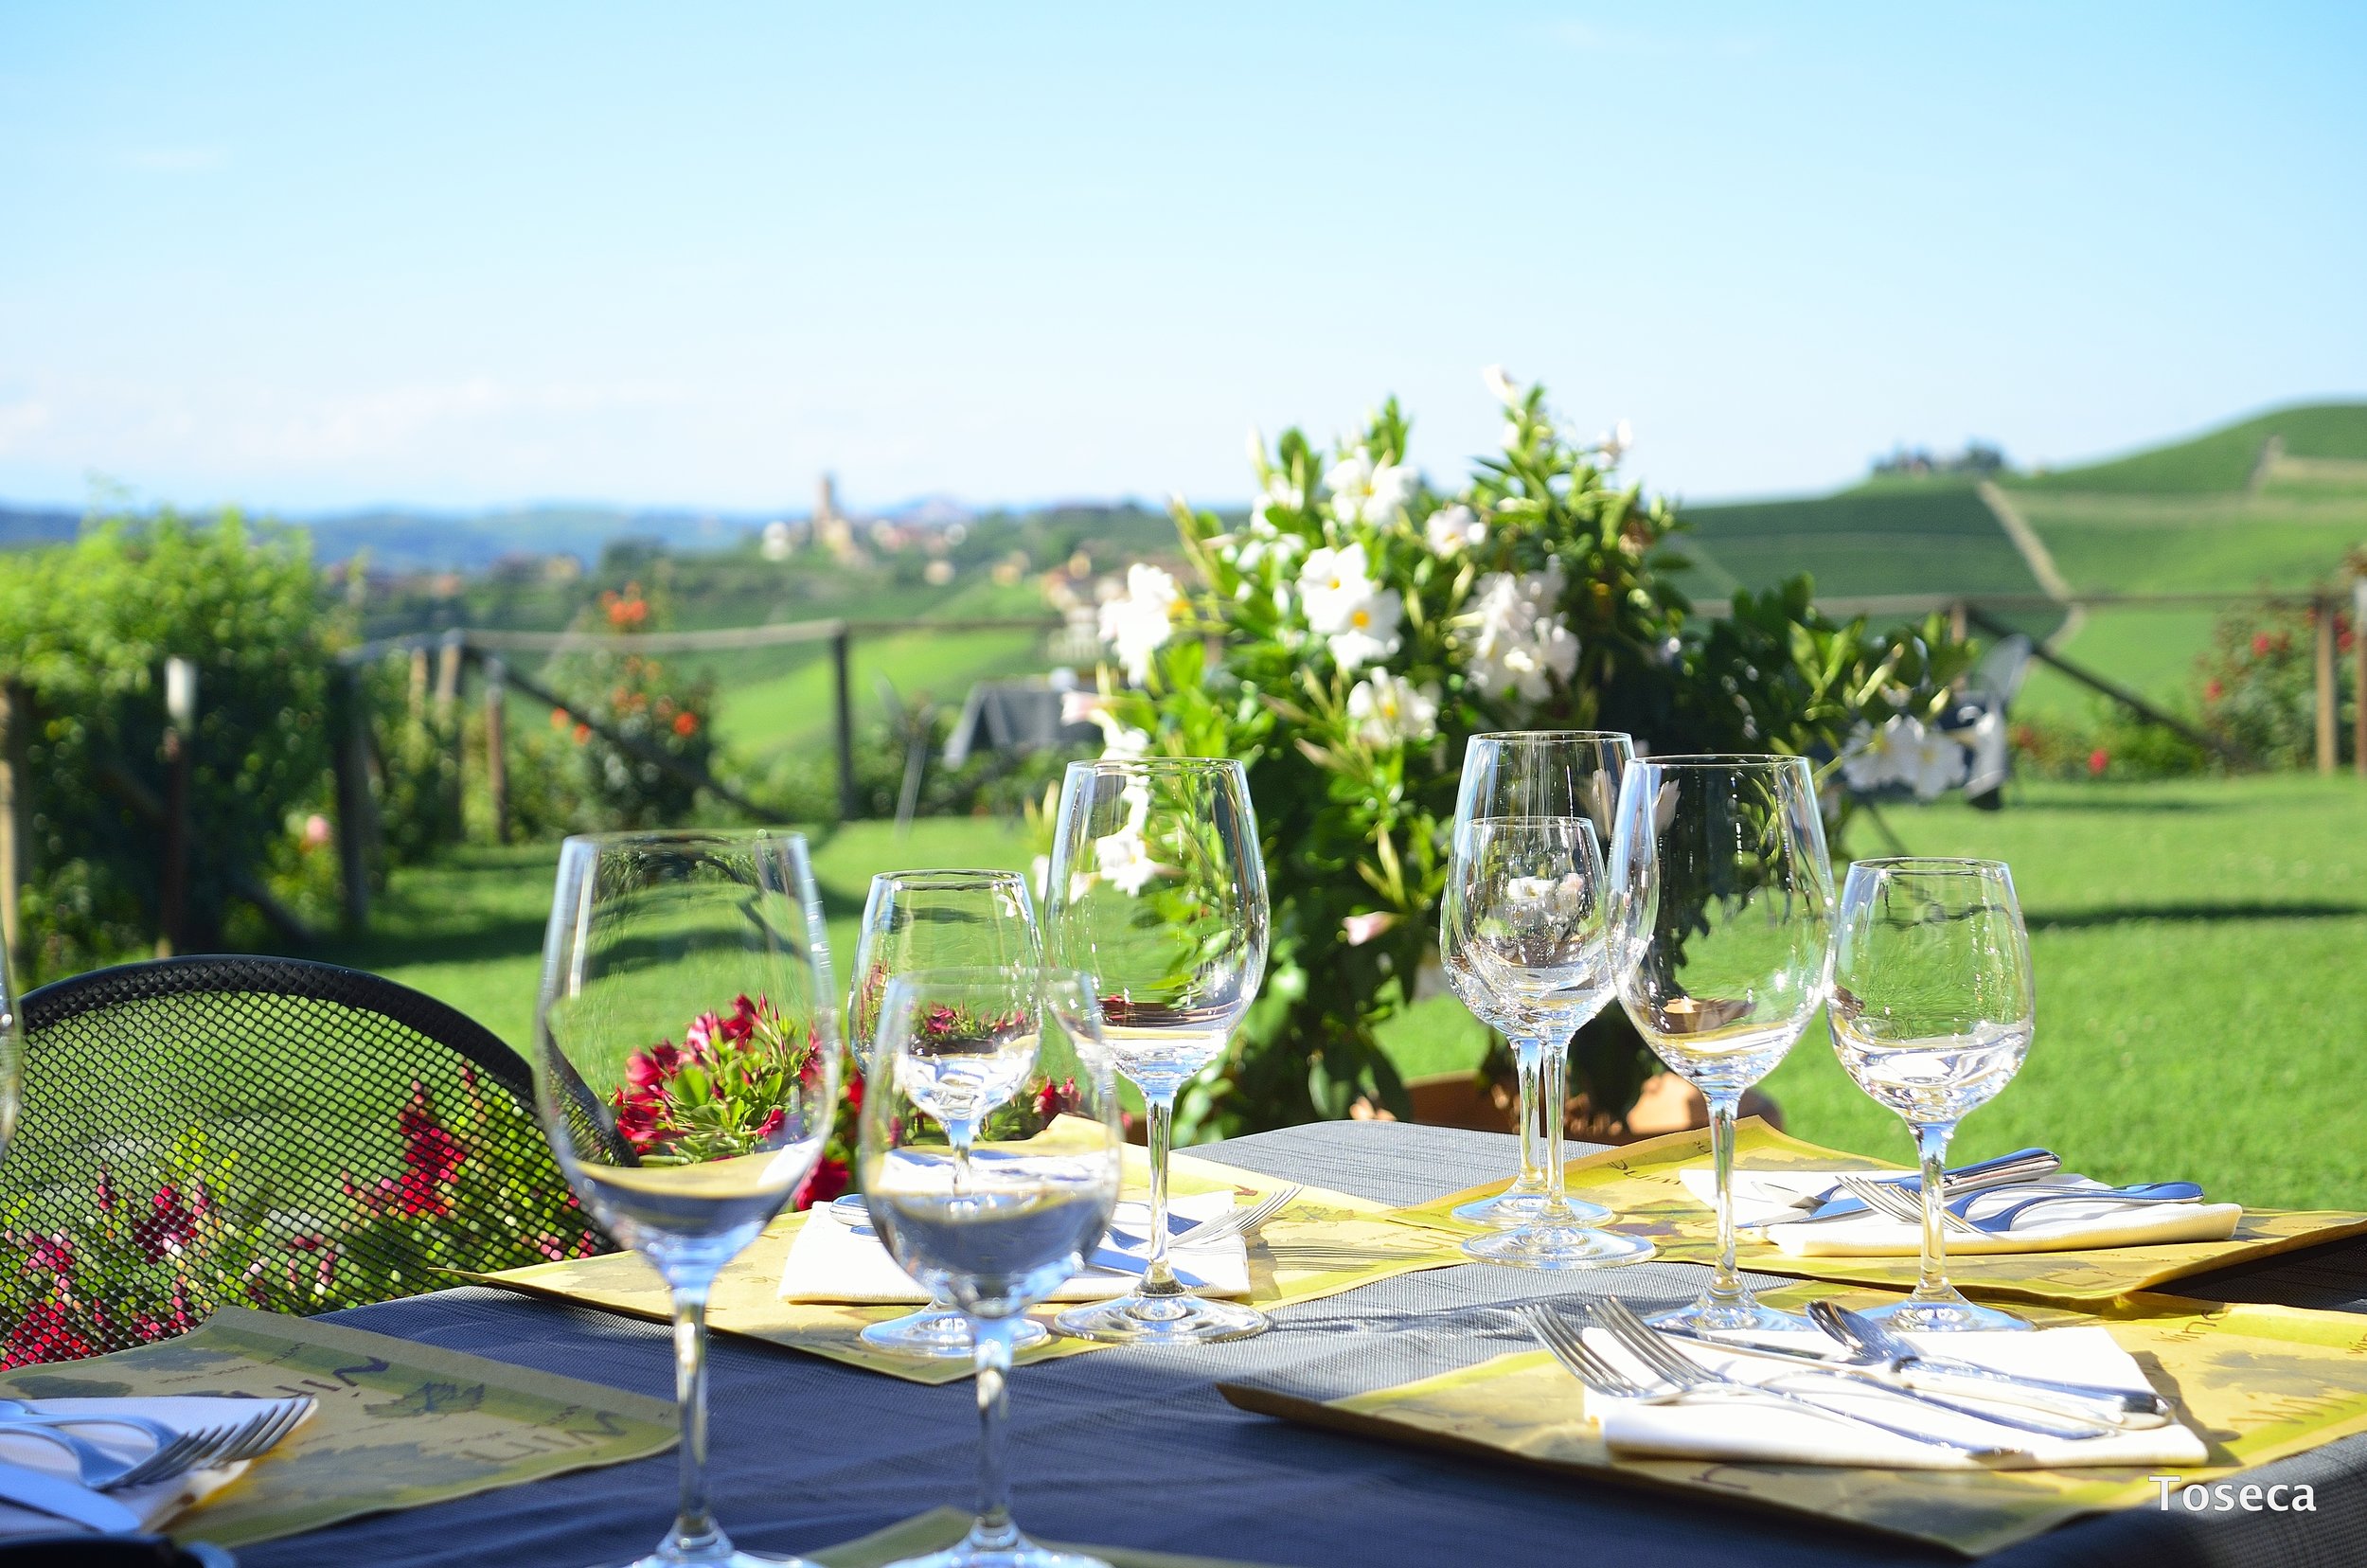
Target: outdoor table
{"points": [[1136, 1448]]}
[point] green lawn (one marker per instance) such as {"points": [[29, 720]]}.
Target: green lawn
{"points": [[2201, 953], [763, 717]]}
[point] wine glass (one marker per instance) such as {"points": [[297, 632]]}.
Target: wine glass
{"points": [[11, 1056], [1540, 773], [938, 920], [990, 1202], [1157, 894], [1932, 1013], [1525, 914], [684, 1152], [1725, 933]]}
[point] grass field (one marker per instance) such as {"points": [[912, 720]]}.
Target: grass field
{"points": [[2201, 953]]}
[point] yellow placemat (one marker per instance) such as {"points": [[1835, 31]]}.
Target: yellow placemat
{"points": [[2257, 1383], [941, 1527], [399, 1424], [1324, 1243], [1639, 1183]]}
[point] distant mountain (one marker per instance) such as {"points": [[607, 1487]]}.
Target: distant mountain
{"points": [[398, 539], [37, 525]]}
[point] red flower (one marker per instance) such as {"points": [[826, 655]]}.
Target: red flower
{"points": [[685, 723], [699, 1039], [828, 1179], [47, 1334], [2260, 645], [583, 733], [772, 1123], [54, 1252], [2213, 690], [106, 1192], [432, 1155], [166, 1228], [2098, 761]]}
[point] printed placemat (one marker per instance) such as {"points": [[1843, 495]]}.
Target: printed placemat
{"points": [[1324, 1243], [2257, 1383], [1640, 1184], [399, 1424]]}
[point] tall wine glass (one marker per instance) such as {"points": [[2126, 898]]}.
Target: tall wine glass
{"points": [[1726, 921], [686, 1069], [1157, 894], [1525, 914], [1534, 773], [990, 1202], [1932, 1013], [938, 920]]}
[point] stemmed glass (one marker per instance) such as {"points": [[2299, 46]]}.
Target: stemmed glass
{"points": [[1157, 894], [990, 1199], [938, 920], [12, 1057], [1532, 773], [1525, 916], [1932, 1013], [1726, 926], [684, 1152]]}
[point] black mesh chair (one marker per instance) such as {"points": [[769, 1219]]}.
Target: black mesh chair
{"points": [[264, 1133]]}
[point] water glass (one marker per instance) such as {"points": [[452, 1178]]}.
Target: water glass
{"points": [[1726, 923], [1525, 918], [1157, 894], [938, 920], [988, 1196], [1932, 1014], [1542, 773], [685, 1070]]}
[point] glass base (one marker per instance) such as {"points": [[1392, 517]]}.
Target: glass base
{"points": [[1564, 1246], [1948, 1314], [1518, 1205], [1745, 1316], [723, 1554], [1019, 1553], [1163, 1320], [942, 1334]]}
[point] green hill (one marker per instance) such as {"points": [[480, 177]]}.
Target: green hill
{"points": [[2223, 461]]}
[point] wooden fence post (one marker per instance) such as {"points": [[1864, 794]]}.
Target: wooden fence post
{"points": [[842, 654], [497, 745], [16, 822], [418, 683], [172, 898], [355, 827], [2324, 615]]}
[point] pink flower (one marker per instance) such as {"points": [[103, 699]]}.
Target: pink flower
{"points": [[54, 1252], [772, 1123], [1361, 929], [166, 1228]]}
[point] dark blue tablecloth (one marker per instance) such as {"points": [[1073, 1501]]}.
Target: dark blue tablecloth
{"points": [[1136, 1448]]}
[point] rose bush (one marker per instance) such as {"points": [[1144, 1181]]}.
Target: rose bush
{"points": [[1345, 638]]}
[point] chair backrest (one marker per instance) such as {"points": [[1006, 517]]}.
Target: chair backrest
{"points": [[260, 1132]]}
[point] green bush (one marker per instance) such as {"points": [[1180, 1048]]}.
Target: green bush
{"points": [[85, 628], [2259, 685]]}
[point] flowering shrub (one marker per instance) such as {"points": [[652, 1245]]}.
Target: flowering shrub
{"points": [[1359, 625], [156, 1261], [638, 697], [723, 1092], [2258, 682]]}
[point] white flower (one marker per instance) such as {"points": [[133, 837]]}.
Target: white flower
{"points": [[1388, 709], [1505, 389], [1121, 742], [1903, 752], [1365, 491], [1138, 623], [1519, 645], [1124, 860], [1346, 605], [1614, 443], [1450, 530]]}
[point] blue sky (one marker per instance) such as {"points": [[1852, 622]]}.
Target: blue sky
{"points": [[319, 256]]}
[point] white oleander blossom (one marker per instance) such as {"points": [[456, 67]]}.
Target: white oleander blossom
{"points": [[1355, 615], [1138, 622], [1519, 645], [1363, 490], [1501, 386], [1390, 710], [1453, 529], [1903, 750], [1123, 859], [1614, 443]]}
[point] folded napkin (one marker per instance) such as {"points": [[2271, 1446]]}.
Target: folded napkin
{"points": [[151, 1506], [836, 1262], [1728, 1429], [1763, 1199]]}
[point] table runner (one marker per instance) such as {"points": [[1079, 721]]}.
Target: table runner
{"points": [[1137, 1450], [1640, 1183]]}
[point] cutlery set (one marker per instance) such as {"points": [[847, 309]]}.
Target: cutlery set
{"points": [[172, 1456]]}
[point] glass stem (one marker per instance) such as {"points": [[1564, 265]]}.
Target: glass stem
{"points": [[1529, 1056], [1932, 1146], [1158, 1278], [695, 1532], [1726, 1285], [992, 1530], [1554, 1105]]}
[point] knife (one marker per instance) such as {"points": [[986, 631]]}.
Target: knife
{"points": [[62, 1499], [2021, 1166]]}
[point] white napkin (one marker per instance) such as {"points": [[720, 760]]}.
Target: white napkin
{"points": [[828, 1261], [1763, 1199], [154, 1505], [1751, 1431]]}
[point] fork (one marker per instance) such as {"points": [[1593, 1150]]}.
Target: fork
{"points": [[1240, 1221], [1682, 1376], [219, 1445], [1907, 1206]]}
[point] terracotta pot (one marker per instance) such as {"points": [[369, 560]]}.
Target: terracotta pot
{"points": [[1668, 1104]]}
